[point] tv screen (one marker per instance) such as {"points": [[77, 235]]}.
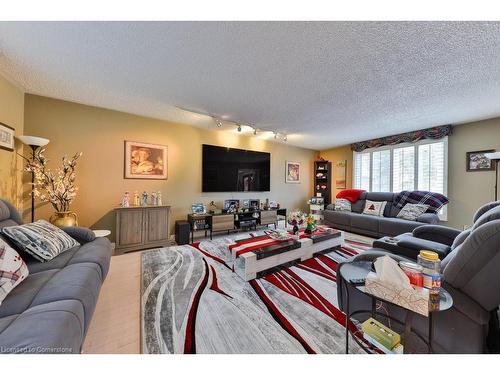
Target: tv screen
{"points": [[231, 169]]}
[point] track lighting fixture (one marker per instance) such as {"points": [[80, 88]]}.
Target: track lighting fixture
{"points": [[275, 135], [284, 138], [218, 122], [239, 128], [254, 131]]}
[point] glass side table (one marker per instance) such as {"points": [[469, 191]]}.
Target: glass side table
{"points": [[359, 270]]}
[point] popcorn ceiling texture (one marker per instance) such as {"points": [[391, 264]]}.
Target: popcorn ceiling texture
{"points": [[325, 84]]}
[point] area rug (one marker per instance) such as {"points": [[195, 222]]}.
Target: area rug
{"points": [[192, 302]]}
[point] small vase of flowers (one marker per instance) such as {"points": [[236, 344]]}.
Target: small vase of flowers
{"points": [[295, 219]]}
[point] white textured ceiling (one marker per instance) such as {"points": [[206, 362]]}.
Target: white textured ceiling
{"points": [[324, 83]]}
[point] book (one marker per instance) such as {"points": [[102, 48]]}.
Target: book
{"points": [[398, 349]]}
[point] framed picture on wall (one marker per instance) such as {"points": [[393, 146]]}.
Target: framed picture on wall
{"points": [[340, 174], [292, 172], [476, 161], [6, 137], [145, 161]]}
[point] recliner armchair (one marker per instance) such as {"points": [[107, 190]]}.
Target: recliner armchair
{"points": [[470, 274], [440, 239]]}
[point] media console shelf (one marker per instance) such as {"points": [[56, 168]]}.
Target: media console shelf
{"points": [[211, 223]]}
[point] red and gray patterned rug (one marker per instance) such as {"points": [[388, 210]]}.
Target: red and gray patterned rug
{"points": [[193, 303]]}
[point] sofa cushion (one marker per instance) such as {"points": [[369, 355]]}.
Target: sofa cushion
{"points": [[56, 327], [460, 239], [380, 196], [393, 226], [417, 244], [9, 213], [489, 215], [13, 270], [428, 218], [338, 217], [366, 222], [57, 263], [81, 234], [484, 208], [97, 252], [21, 297], [80, 282], [40, 239]]}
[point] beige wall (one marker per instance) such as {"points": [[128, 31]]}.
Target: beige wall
{"points": [[338, 154], [469, 190], [100, 135], [11, 114]]}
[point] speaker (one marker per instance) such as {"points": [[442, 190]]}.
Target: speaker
{"points": [[182, 230]]}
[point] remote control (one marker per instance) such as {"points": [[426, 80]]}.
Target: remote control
{"points": [[357, 281]]}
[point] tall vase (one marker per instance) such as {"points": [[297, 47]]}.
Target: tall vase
{"points": [[64, 219]]}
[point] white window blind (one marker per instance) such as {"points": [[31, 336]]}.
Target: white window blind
{"points": [[362, 171], [403, 174], [381, 170]]}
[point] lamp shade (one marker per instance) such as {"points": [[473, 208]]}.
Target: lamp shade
{"points": [[493, 155], [33, 141]]}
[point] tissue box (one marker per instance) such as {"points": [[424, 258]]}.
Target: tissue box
{"points": [[415, 299]]}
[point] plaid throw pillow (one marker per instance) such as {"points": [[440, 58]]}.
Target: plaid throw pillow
{"points": [[42, 240], [13, 270], [434, 200]]}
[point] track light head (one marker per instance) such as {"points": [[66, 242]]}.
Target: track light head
{"points": [[239, 128], [255, 131], [284, 138], [218, 122], [275, 135]]}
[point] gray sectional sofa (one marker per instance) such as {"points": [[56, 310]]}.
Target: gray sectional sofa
{"points": [[50, 311], [374, 226]]}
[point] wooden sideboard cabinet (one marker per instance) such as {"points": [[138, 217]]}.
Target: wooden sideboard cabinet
{"points": [[140, 227]]}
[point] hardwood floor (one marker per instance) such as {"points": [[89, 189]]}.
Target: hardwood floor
{"points": [[115, 326]]}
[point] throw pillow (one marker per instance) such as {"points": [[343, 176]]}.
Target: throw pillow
{"points": [[374, 208], [412, 211], [42, 240], [342, 205], [13, 270]]}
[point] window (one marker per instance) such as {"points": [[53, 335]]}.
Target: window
{"points": [[416, 166]]}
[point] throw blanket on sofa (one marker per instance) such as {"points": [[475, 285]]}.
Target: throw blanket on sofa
{"points": [[434, 200]]}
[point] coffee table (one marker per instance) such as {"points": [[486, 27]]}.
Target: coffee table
{"points": [[255, 257]]}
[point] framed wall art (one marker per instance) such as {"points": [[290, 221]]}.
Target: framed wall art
{"points": [[340, 174], [476, 161], [6, 137], [145, 161], [292, 172]]}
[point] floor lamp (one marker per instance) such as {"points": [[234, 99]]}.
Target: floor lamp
{"points": [[34, 143], [494, 157]]}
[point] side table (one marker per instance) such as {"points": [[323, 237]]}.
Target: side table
{"points": [[101, 232], [359, 270]]}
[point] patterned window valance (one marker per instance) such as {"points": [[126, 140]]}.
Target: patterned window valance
{"points": [[431, 133]]}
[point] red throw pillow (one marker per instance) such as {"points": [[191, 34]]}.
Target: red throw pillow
{"points": [[352, 195]]}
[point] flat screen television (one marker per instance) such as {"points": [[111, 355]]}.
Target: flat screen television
{"points": [[231, 169]]}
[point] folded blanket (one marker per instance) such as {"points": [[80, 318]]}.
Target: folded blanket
{"points": [[352, 195], [434, 200]]}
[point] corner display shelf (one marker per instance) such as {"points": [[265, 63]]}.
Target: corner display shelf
{"points": [[323, 180]]}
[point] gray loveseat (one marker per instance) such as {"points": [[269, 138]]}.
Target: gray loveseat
{"points": [[374, 226], [50, 311]]}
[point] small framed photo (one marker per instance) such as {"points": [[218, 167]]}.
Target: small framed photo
{"points": [[6, 137], [231, 205], [292, 172], [477, 162], [198, 208], [145, 161]]}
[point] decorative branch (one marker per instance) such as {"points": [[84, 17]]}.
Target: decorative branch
{"points": [[58, 188]]}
